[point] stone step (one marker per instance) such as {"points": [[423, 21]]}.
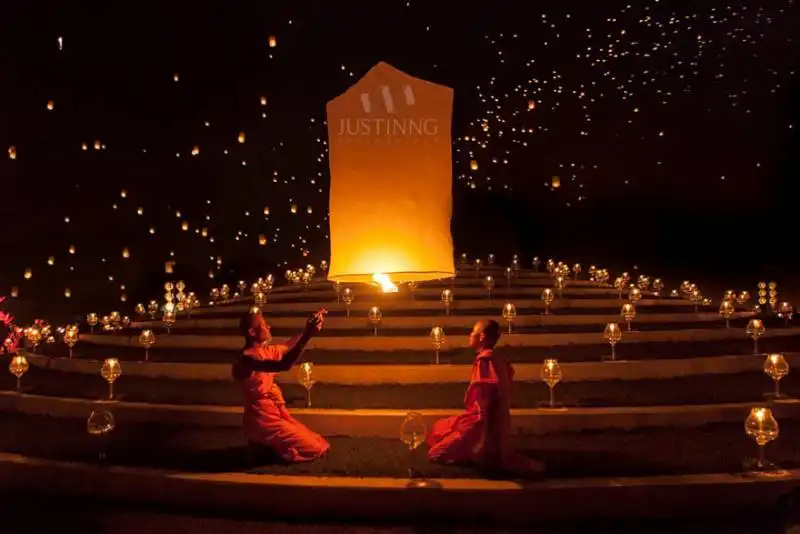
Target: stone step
{"points": [[712, 448], [685, 390], [409, 307], [451, 324], [628, 349], [421, 342], [461, 293], [367, 374], [386, 422]]}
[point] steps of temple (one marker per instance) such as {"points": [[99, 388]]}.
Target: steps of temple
{"points": [[367, 374], [259, 493], [589, 474], [531, 304], [377, 410], [127, 349], [367, 343], [230, 325], [529, 391]]}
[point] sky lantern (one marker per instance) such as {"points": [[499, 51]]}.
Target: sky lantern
{"points": [[262, 239], [391, 203], [241, 137], [185, 226], [176, 77], [84, 146], [67, 293], [195, 150], [263, 100], [14, 292], [293, 208], [555, 182], [169, 267], [51, 260], [273, 41], [50, 105], [126, 253], [531, 105], [12, 152], [266, 211], [473, 165], [97, 144], [72, 249], [309, 210]]}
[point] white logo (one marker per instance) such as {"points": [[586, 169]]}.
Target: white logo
{"points": [[388, 100]]}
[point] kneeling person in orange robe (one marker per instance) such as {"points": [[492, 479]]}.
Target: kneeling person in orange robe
{"points": [[267, 424], [481, 435]]}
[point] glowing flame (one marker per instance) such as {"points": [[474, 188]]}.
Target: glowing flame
{"points": [[386, 284]]}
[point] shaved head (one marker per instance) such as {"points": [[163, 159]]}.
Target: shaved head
{"points": [[485, 334]]}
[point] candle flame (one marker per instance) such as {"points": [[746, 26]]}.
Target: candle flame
{"points": [[386, 284]]}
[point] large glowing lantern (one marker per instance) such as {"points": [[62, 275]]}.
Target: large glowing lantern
{"points": [[555, 182], [391, 180]]}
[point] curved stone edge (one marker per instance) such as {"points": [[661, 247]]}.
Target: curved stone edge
{"points": [[386, 423], [351, 498], [368, 374], [451, 321], [423, 343], [362, 305]]}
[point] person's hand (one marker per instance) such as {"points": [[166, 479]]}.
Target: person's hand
{"points": [[315, 322]]}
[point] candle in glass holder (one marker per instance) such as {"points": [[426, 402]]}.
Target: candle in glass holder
{"points": [[91, 320], [762, 427], [100, 424], [70, 338], [375, 316], [147, 339], [168, 319], [488, 283], [628, 313], [547, 298], [755, 329], [110, 370], [726, 311], [306, 379], [413, 432], [347, 298], [18, 367], [447, 300], [509, 314], [776, 367], [536, 262], [551, 375], [635, 295], [612, 334], [438, 339]]}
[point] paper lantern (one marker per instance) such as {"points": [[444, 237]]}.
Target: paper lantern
{"points": [[391, 179], [169, 267], [266, 211], [473, 165], [67, 293], [262, 239], [12, 152], [531, 105], [50, 105], [273, 41], [555, 182], [14, 292], [263, 100], [241, 137]]}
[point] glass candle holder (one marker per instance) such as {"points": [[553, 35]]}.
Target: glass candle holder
{"points": [[438, 339], [18, 366], [147, 339], [755, 329], [111, 370], [509, 314], [375, 317], [347, 298], [762, 427], [551, 375], [305, 377], [776, 367], [612, 334], [413, 433]]}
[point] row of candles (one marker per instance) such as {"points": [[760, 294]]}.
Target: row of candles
{"points": [[760, 424]]}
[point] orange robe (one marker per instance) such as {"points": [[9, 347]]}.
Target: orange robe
{"points": [[481, 435], [266, 420]]}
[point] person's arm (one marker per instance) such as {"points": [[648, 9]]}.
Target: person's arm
{"points": [[289, 353]]}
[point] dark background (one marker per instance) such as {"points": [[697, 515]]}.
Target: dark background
{"points": [[658, 202]]}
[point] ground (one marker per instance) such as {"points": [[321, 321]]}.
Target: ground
{"points": [[26, 516]]}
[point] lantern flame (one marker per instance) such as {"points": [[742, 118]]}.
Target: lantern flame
{"points": [[386, 284]]}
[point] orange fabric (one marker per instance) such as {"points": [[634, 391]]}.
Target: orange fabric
{"points": [[481, 435], [266, 420]]}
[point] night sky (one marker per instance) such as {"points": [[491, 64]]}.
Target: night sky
{"points": [[671, 125]]}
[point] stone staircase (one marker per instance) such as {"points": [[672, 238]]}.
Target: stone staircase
{"points": [[665, 416]]}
